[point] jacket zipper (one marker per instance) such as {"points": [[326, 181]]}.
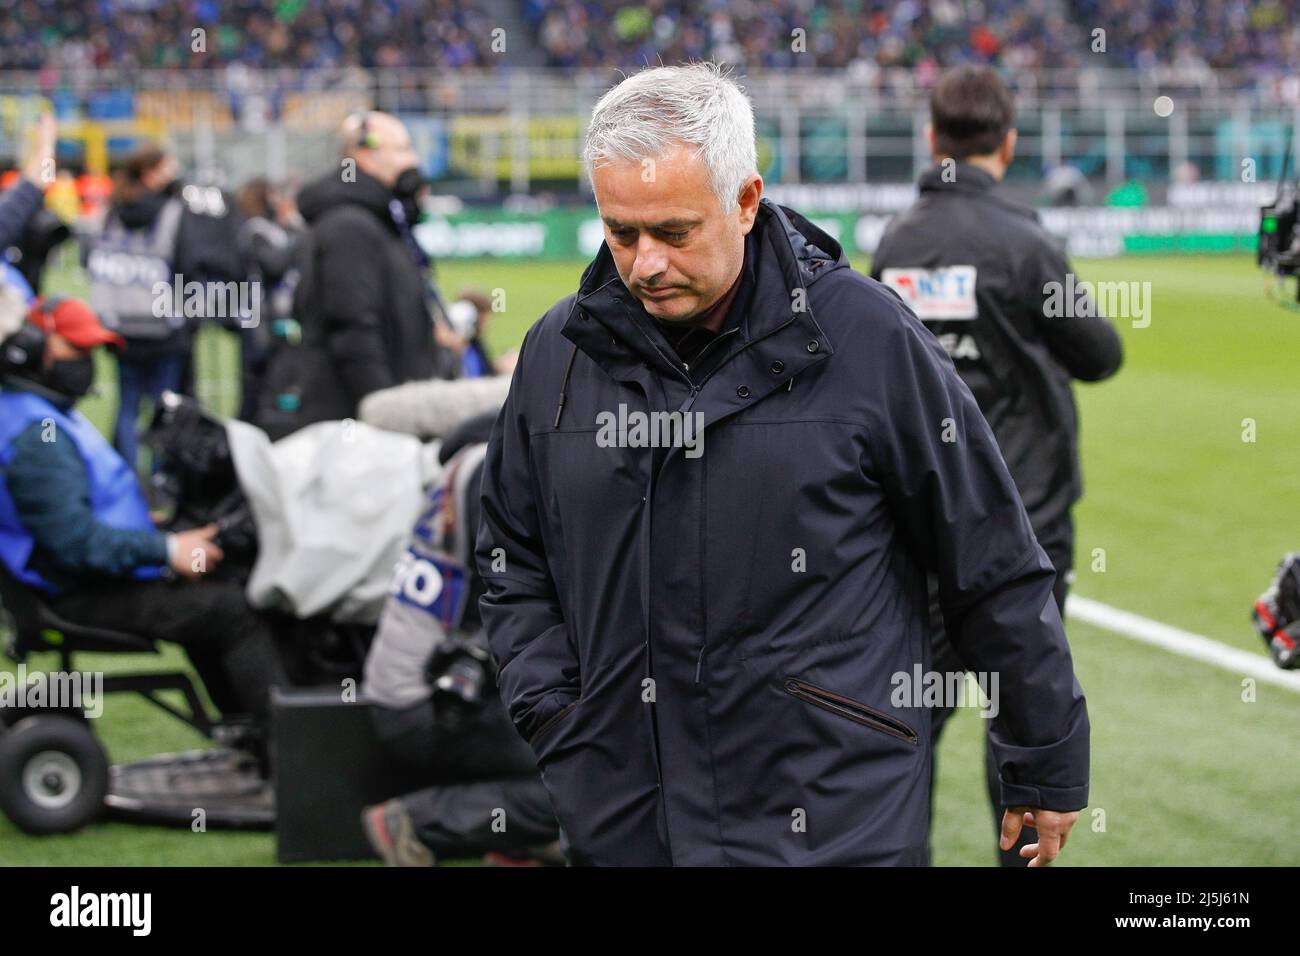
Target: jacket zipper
{"points": [[854, 710], [550, 722], [705, 351]]}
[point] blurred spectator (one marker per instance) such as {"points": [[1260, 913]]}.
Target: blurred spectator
{"points": [[924, 35], [364, 301], [135, 249], [259, 33], [468, 317], [157, 229], [269, 241], [25, 198]]}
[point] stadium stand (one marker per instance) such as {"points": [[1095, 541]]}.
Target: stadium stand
{"points": [[861, 35]]}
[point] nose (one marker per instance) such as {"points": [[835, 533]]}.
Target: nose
{"points": [[651, 260]]}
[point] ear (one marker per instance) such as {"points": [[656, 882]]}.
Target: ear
{"points": [[750, 194], [1009, 147]]}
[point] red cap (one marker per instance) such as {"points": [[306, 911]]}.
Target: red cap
{"points": [[74, 320]]}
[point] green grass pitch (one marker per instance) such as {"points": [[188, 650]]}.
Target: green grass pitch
{"points": [[1190, 518]]}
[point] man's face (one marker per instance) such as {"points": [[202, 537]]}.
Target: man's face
{"points": [[674, 247], [393, 153], [162, 175]]}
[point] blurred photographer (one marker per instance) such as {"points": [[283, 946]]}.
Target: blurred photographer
{"points": [[437, 708], [74, 525]]}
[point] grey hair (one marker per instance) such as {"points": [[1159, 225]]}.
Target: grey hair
{"points": [[697, 104]]}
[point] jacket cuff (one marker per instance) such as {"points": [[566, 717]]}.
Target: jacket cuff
{"points": [[1053, 776], [1057, 799]]}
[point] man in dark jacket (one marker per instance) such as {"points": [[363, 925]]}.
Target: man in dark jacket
{"points": [[978, 270], [364, 296], [706, 529]]}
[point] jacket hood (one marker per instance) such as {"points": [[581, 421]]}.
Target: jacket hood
{"points": [[139, 213], [808, 252], [330, 192], [792, 253]]}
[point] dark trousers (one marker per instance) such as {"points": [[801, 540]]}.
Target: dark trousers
{"points": [[230, 645], [137, 380], [487, 792], [944, 660]]}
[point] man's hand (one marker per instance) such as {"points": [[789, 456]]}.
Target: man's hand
{"points": [[194, 553], [38, 164], [1053, 830]]}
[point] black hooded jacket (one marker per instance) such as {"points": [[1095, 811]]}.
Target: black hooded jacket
{"points": [[701, 639], [1016, 360], [362, 299]]}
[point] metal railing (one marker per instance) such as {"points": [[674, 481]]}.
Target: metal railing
{"points": [[514, 131]]}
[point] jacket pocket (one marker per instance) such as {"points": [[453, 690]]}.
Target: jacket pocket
{"points": [[549, 724], [854, 710]]}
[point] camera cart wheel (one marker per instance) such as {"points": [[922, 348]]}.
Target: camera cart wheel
{"points": [[53, 774]]}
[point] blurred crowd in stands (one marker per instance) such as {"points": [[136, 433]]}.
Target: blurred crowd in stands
{"points": [[857, 35]]}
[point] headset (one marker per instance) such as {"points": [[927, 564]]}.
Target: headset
{"points": [[23, 353], [365, 135]]}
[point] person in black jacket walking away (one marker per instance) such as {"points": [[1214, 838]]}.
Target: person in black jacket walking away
{"points": [[365, 302], [980, 272]]}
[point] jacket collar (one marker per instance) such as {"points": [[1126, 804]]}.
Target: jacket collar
{"points": [[964, 178], [778, 329], [14, 383]]}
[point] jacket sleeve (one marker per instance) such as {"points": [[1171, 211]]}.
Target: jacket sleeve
{"points": [[1087, 345], [51, 494], [522, 618], [956, 505], [17, 206], [352, 302]]}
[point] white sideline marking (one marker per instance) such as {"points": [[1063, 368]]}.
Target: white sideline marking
{"points": [[1178, 641]]}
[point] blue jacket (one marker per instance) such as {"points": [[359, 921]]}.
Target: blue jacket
{"points": [[702, 650], [71, 509]]}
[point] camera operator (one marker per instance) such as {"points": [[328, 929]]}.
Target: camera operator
{"points": [[973, 266], [74, 525], [437, 708]]}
